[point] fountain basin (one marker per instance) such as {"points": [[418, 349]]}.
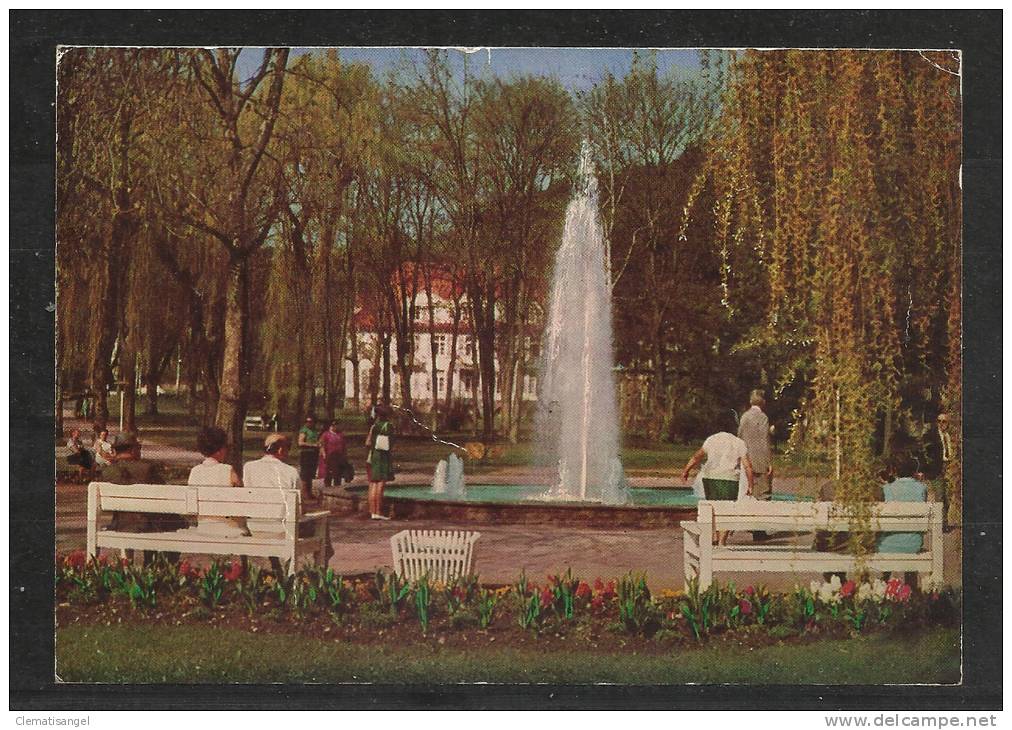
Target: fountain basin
{"points": [[517, 504]]}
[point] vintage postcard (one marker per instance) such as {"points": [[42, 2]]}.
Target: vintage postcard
{"points": [[509, 365]]}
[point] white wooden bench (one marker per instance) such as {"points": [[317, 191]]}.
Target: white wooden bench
{"points": [[702, 559], [256, 422], [273, 514], [441, 554]]}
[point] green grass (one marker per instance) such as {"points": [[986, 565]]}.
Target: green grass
{"points": [[197, 654]]}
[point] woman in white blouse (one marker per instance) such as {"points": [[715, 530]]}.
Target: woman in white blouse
{"points": [[103, 448], [214, 471]]}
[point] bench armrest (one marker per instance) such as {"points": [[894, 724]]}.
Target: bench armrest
{"points": [[692, 527], [313, 516]]}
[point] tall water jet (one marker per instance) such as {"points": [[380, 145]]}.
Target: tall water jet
{"points": [[579, 415]]}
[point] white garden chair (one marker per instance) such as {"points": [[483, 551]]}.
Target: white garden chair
{"points": [[443, 555]]}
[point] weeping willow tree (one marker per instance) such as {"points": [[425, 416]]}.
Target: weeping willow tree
{"points": [[835, 176]]}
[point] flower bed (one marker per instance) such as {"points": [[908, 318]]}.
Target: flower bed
{"points": [[383, 607]]}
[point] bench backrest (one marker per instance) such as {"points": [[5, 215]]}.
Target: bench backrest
{"points": [[267, 504], [805, 516]]}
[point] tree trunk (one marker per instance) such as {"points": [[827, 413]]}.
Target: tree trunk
{"points": [[356, 392], [386, 367], [151, 388], [434, 352], [128, 381], [231, 412], [451, 368]]}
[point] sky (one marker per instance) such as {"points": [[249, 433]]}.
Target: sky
{"points": [[578, 69]]}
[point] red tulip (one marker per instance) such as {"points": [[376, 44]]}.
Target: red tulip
{"points": [[547, 598], [597, 603], [598, 585], [76, 560], [582, 590], [745, 606], [750, 591], [904, 592], [233, 572], [847, 589]]}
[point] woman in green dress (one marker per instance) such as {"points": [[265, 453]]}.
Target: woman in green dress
{"points": [[380, 460]]}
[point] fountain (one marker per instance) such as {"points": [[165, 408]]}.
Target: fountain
{"points": [[448, 479], [577, 422], [581, 419], [439, 478]]}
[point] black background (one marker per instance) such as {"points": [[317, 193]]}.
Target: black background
{"points": [[34, 36]]}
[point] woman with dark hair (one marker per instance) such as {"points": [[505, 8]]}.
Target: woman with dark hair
{"points": [[333, 455], [215, 471], [380, 460]]}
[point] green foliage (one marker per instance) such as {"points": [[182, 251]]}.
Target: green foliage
{"points": [[212, 586], [563, 589], [252, 589], [487, 602], [637, 611], [423, 601], [528, 603], [392, 589], [333, 587]]}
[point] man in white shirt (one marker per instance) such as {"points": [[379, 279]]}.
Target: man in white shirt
{"points": [[270, 471], [725, 455]]}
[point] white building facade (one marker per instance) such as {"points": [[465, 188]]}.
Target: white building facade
{"points": [[440, 333]]}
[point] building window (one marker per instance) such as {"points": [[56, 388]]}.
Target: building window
{"points": [[440, 381], [469, 346], [532, 385], [440, 341]]}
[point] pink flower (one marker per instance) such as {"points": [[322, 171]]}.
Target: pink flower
{"points": [[188, 571], [609, 590], [547, 598], [750, 591], [745, 606], [598, 585], [903, 593], [847, 589]]}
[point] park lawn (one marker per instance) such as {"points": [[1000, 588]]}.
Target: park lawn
{"points": [[198, 654]]}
